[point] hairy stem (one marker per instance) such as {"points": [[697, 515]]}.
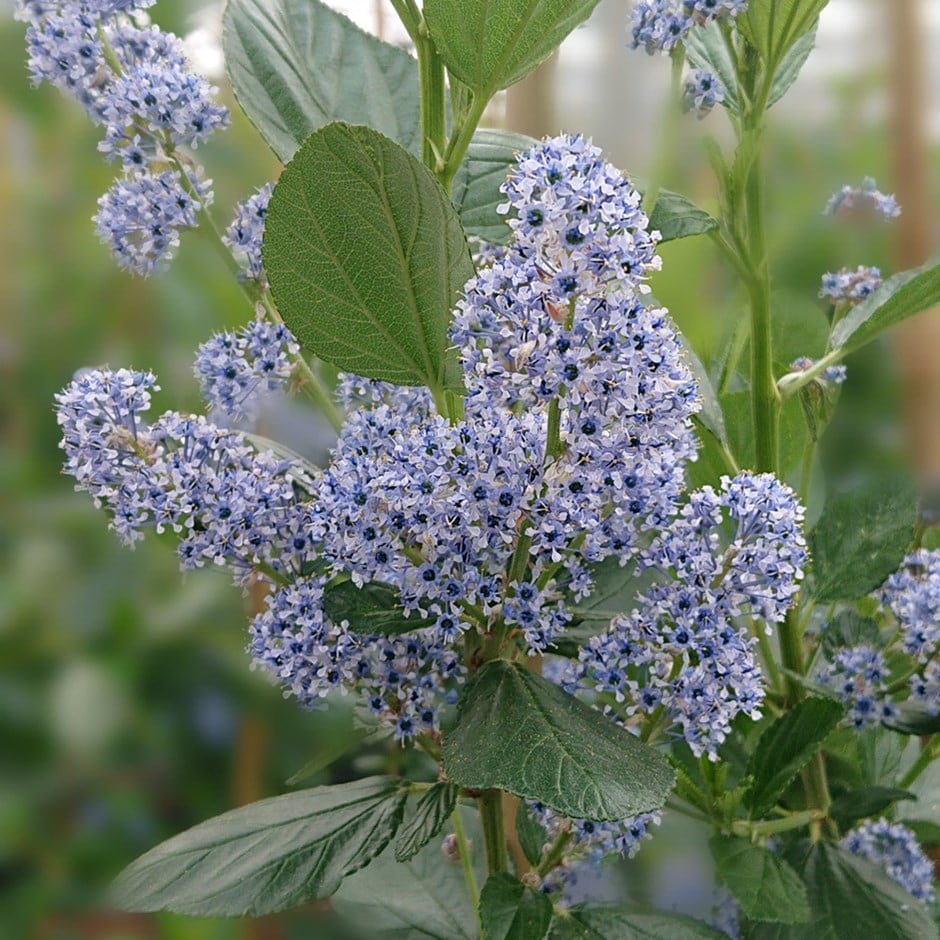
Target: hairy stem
{"points": [[466, 862], [494, 835]]}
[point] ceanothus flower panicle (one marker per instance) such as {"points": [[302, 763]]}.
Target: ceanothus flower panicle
{"points": [[701, 91], [136, 82], [864, 200], [235, 370], [894, 847], [660, 25], [728, 556], [571, 450], [245, 233], [847, 287], [860, 676]]}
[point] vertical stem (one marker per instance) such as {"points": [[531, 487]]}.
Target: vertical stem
{"points": [[466, 863], [765, 400], [494, 835], [433, 112]]}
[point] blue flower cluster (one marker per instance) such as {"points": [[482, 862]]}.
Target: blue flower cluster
{"points": [[236, 369], [571, 450], [681, 653], [864, 200], [135, 82], [589, 842], [912, 594], [834, 374], [859, 675], [847, 287], [660, 25], [701, 91], [245, 234], [895, 848], [227, 504]]}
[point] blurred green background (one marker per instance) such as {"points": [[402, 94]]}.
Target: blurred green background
{"points": [[127, 707]]}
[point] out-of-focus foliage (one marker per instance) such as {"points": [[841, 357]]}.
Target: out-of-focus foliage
{"points": [[127, 709]]}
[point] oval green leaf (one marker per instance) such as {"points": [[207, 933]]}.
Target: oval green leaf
{"points": [[518, 732], [861, 537], [850, 898], [785, 747], [269, 855], [674, 217], [611, 923], [490, 157], [766, 887], [296, 65], [423, 899], [374, 608], [491, 44], [511, 911], [366, 256], [427, 820]]}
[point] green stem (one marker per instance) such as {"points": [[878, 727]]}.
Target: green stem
{"points": [[924, 760], [410, 16], [765, 400], [769, 827], [466, 862], [816, 787], [460, 140], [494, 836], [791, 653], [311, 384], [555, 854], [433, 109]]}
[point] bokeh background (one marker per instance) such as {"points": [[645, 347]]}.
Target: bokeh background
{"points": [[127, 708]]}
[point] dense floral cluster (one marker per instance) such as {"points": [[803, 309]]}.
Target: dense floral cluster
{"points": [[588, 841], [701, 91], [571, 450], [681, 652], [859, 675], [246, 232], [863, 200], [895, 848], [236, 369], [660, 25], [847, 287], [134, 81]]}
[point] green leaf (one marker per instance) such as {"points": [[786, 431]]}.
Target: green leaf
{"points": [[868, 801], [785, 747], [531, 833], [674, 217], [705, 48], [611, 923], [895, 300], [914, 721], [519, 732], [491, 44], [766, 887], [927, 832], [792, 64], [850, 898], [269, 855], [375, 608], [490, 157], [424, 899], [711, 415], [430, 814], [511, 911], [366, 256], [847, 630], [296, 65], [861, 537], [773, 26]]}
